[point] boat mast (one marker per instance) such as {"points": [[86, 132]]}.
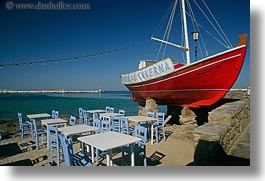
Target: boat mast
{"points": [[185, 31]]}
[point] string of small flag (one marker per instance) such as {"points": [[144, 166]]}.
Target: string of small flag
{"points": [[66, 59]]}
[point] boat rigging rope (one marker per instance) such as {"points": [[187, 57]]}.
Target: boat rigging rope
{"points": [[196, 28], [227, 43], [217, 23], [167, 28], [91, 55], [170, 26]]}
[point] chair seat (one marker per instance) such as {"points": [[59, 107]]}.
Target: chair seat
{"points": [[79, 155], [157, 126], [85, 161], [42, 132], [131, 130], [27, 123]]}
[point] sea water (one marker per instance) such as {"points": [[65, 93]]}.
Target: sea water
{"points": [[66, 104]]}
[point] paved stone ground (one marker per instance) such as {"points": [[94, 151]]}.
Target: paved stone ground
{"points": [[177, 150], [241, 147]]}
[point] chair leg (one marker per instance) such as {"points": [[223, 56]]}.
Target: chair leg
{"points": [[157, 135], [58, 155], [145, 161], [97, 156], [122, 155], [31, 131], [37, 141], [164, 135], [152, 134], [22, 133], [51, 150]]}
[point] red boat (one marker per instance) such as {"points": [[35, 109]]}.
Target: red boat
{"points": [[201, 83]]}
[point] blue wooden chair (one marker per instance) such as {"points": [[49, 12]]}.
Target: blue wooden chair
{"points": [[55, 114], [54, 143], [122, 112], [150, 114], [125, 129], [107, 109], [97, 124], [116, 124], [148, 124], [87, 120], [159, 127], [71, 159], [111, 110], [105, 126], [140, 132], [95, 116], [80, 111], [26, 127], [72, 121], [38, 133]]}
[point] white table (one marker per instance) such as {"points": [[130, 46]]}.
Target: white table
{"points": [[108, 115], [47, 122], [76, 129], [143, 119], [96, 111], [36, 116], [108, 141], [140, 119]]}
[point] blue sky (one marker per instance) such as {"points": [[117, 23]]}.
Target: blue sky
{"points": [[29, 35]]}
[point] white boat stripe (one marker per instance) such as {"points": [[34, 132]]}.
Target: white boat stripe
{"points": [[222, 60], [184, 90]]}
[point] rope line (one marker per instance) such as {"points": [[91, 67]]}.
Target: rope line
{"points": [[93, 55]]}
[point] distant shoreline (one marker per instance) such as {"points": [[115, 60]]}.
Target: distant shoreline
{"points": [[53, 91]]}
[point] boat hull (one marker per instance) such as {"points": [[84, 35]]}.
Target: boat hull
{"points": [[202, 83]]}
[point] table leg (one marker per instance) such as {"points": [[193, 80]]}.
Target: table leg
{"points": [[132, 155], [108, 158], [90, 152], [48, 139], [152, 134]]}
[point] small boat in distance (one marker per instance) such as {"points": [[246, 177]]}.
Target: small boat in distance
{"points": [[201, 83]]}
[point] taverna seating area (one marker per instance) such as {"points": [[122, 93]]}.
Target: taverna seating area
{"points": [[93, 137]]}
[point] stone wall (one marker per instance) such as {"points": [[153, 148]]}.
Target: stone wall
{"points": [[225, 124]]}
